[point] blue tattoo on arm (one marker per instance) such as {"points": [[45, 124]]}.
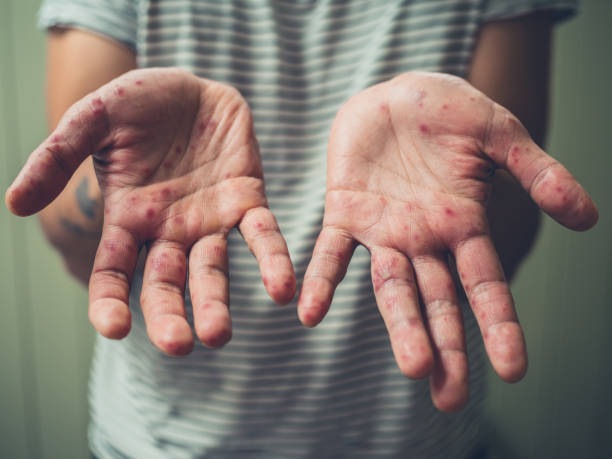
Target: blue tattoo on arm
{"points": [[87, 205]]}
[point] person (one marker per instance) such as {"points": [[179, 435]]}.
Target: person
{"points": [[360, 153]]}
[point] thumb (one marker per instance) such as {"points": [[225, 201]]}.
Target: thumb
{"points": [[80, 133], [551, 186]]}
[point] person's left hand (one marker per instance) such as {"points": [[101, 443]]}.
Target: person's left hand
{"points": [[409, 169]]}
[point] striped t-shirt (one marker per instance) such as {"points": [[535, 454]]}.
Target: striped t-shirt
{"points": [[279, 389]]}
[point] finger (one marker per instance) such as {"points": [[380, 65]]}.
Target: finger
{"points": [[489, 295], [209, 287], [162, 298], [262, 235], [330, 258], [109, 284], [449, 379], [398, 300], [549, 183], [81, 132]]}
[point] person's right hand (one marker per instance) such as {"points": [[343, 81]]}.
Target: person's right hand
{"points": [[179, 167]]}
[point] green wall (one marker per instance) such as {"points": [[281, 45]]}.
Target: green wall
{"points": [[559, 410]]}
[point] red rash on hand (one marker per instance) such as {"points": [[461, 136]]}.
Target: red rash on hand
{"points": [[150, 213], [424, 129], [449, 212], [168, 165]]}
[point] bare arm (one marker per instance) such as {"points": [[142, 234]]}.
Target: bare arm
{"points": [[78, 62], [511, 66]]}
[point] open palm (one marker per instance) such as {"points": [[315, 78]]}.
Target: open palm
{"points": [[179, 167], [410, 163]]}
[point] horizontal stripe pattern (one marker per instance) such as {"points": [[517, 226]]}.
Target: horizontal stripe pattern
{"points": [[279, 389]]}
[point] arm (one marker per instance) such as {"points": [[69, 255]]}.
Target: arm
{"points": [[511, 66], [414, 158], [78, 62]]}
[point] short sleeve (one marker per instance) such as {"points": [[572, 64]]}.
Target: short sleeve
{"points": [[115, 19], [560, 10]]}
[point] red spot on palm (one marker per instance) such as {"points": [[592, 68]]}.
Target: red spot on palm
{"points": [[424, 128], [150, 213], [168, 165], [138, 82], [165, 192], [120, 91], [449, 212], [445, 107]]}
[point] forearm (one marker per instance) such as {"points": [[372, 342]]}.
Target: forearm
{"points": [[73, 222], [511, 66], [77, 63]]}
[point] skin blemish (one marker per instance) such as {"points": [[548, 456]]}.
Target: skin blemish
{"points": [[558, 189], [178, 149], [107, 211], [146, 171], [168, 165], [179, 220], [150, 213], [384, 108], [55, 138], [97, 106], [472, 98], [202, 127], [138, 82], [120, 91], [420, 97], [383, 200], [288, 284], [165, 192], [445, 107], [110, 246], [265, 281], [424, 129], [449, 212], [228, 175], [133, 199], [258, 225], [217, 251], [391, 303], [339, 255]]}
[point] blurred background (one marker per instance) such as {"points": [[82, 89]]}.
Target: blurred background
{"points": [[561, 409]]}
